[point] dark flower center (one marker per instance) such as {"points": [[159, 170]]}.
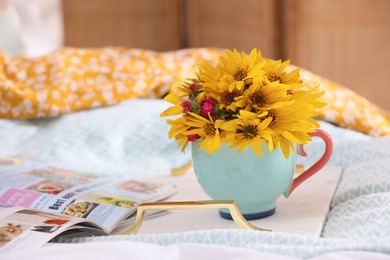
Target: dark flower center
{"points": [[229, 98], [257, 98], [274, 77], [240, 75], [249, 131], [209, 129], [273, 122]]}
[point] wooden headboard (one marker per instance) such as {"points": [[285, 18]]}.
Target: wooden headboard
{"points": [[345, 41]]}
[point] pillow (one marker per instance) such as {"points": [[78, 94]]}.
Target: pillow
{"points": [[348, 109], [71, 79]]}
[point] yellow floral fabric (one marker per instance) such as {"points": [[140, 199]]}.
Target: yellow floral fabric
{"points": [[74, 79], [348, 109]]}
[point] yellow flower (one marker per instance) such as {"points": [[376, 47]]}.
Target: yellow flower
{"points": [[225, 97], [247, 131], [261, 95], [207, 130], [276, 71], [238, 67], [178, 127], [291, 123], [209, 74], [177, 109], [309, 96]]}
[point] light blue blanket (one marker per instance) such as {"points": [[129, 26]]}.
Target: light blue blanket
{"points": [[125, 140], [130, 139]]}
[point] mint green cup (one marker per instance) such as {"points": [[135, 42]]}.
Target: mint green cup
{"points": [[254, 182]]}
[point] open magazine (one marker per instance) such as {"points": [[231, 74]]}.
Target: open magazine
{"points": [[39, 203]]}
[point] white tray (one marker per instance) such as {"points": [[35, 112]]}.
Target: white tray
{"points": [[304, 212]]}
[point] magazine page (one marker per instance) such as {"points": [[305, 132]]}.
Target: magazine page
{"points": [[25, 228], [29, 184]]}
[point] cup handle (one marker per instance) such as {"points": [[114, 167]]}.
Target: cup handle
{"points": [[319, 164]]}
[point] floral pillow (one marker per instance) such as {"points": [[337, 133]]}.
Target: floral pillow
{"points": [[72, 79], [348, 109]]}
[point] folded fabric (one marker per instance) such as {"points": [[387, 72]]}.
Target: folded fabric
{"points": [[72, 79]]}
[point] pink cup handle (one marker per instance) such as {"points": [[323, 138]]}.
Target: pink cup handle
{"points": [[319, 164]]}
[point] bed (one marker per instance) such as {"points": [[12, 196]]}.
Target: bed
{"points": [[120, 133]]}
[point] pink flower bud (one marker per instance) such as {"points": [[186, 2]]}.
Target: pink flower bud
{"points": [[186, 106], [194, 86], [208, 106], [193, 138]]}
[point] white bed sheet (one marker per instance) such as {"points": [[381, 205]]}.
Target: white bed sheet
{"points": [[135, 250]]}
